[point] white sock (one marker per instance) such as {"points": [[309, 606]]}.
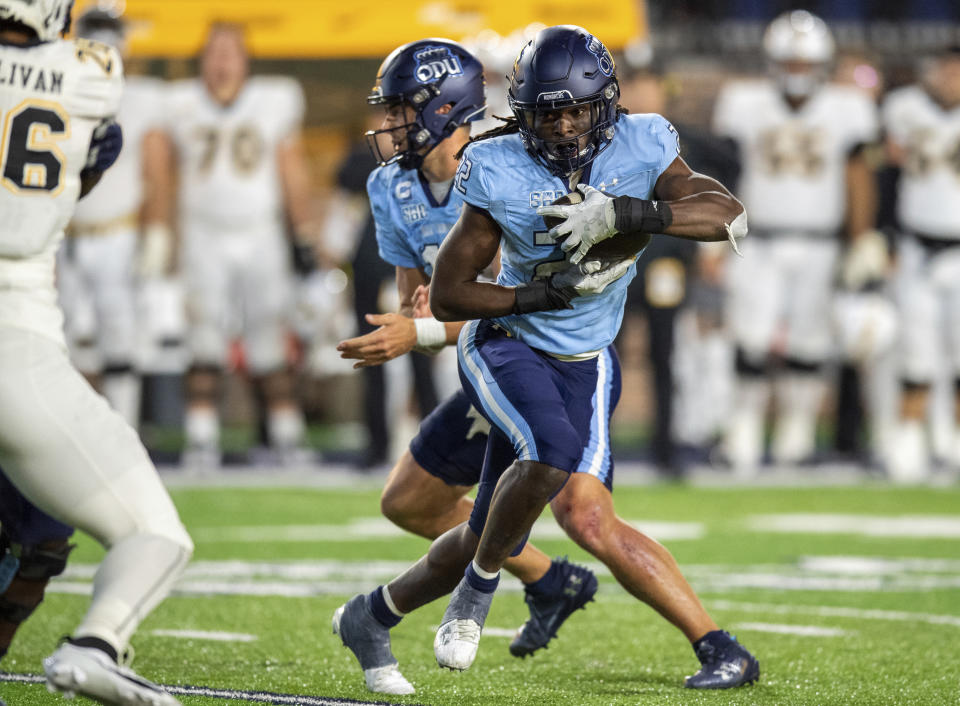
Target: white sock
{"points": [[483, 574], [285, 427], [388, 599], [201, 425], [134, 576], [122, 391]]}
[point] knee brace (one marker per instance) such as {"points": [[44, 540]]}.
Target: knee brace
{"points": [[25, 571]]}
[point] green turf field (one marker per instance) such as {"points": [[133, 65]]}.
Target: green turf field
{"points": [[846, 595]]}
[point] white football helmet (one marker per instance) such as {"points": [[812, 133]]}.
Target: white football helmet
{"points": [[48, 18], [795, 39]]}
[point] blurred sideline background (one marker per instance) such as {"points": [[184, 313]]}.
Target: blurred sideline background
{"points": [[673, 57]]}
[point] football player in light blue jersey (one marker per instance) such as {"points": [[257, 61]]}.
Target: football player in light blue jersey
{"points": [[431, 91], [529, 360]]}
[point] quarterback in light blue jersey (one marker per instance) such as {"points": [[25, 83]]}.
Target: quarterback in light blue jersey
{"points": [[531, 354]]}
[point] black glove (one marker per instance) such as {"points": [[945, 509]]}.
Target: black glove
{"points": [[304, 259]]}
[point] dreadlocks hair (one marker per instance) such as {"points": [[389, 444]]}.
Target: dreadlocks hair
{"points": [[509, 127]]}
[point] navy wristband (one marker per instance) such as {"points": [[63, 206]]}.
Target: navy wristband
{"points": [[641, 215], [539, 296]]}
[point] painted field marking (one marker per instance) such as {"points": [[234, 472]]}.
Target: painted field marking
{"points": [[839, 612], [303, 579], [215, 636], [260, 697], [937, 526], [802, 630], [366, 528]]}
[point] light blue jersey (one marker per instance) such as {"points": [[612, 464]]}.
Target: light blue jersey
{"points": [[498, 176], [410, 223]]}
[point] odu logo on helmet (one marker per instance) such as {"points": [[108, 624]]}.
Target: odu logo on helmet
{"points": [[604, 60], [434, 63]]}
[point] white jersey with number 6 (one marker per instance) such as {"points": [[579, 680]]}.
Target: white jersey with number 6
{"points": [[794, 160], [228, 166], [52, 97]]}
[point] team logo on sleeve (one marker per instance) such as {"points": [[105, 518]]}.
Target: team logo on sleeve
{"points": [[604, 61], [433, 63], [403, 190]]}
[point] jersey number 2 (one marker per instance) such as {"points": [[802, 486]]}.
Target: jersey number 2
{"points": [[31, 159]]}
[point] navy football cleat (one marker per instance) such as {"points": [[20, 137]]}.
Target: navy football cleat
{"points": [[548, 613], [724, 666], [359, 630]]}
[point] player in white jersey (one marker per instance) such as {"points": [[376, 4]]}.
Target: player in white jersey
{"points": [[97, 268], [60, 443], [241, 167], [804, 180], [922, 124]]}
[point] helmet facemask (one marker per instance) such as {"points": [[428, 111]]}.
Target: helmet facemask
{"points": [[439, 86], [569, 153], [418, 140]]}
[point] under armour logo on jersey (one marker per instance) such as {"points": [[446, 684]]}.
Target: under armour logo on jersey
{"points": [[433, 63]]}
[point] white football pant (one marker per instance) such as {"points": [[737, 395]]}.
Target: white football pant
{"points": [[75, 458]]}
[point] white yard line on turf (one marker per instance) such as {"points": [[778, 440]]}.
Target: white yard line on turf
{"points": [[379, 528], [215, 636], [802, 630], [838, 612], [260, 697], [939, 526], [337, 577]]}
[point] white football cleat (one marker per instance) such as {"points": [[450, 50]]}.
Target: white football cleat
{"points": [[387, 680], [909, 460], [87, 671], [457, 643]]}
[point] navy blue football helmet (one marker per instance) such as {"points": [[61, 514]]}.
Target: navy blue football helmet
{"points": [[427, 75], [561, 67]]}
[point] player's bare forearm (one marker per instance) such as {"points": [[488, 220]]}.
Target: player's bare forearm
{"points": [[701, 207], [861, 195], [158, 178], [295, 177], [455, 293], [704, 216]]}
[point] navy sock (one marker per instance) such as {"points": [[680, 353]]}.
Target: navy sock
{"points": [[381, 612], [478, 582], [715, 640], [95, 642], [549, 584]]}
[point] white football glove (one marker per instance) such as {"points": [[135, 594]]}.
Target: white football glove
{"points": [[586, 224], [866, 260], [592, 276], [156, 251]]}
